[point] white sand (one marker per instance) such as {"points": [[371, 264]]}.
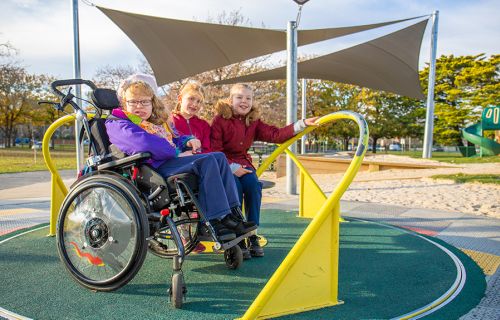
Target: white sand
{"points": [[413, 187]]}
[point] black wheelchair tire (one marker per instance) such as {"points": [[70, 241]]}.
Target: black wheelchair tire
{"points": [[138, 225], [177, 290], [233, 257]]}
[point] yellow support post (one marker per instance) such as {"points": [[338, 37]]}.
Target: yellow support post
{"points": [[311, 197], [307, 279], [58, 189]]}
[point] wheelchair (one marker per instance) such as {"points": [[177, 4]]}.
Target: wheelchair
{"points": [[120, 208]]}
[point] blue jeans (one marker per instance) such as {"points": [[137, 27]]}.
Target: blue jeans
{"points": [[250, 189], [217, 191]]}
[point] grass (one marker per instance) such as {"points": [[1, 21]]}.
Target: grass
{"points": [[450, 157], [463, 178], [23, 160], [19, 159]]}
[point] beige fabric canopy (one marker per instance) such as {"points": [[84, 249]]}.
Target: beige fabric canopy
{"points": [[388, 63], [178, 49]]}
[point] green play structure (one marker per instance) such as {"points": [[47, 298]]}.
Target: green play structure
{"points": [[490, 120]]}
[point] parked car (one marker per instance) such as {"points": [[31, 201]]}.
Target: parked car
{"points": [[22, 141], [395, 147]]}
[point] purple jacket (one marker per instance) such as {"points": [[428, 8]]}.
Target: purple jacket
{"points": [[132, 139]]}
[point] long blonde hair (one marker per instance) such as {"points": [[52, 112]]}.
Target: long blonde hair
{"points": [[191, 87], [225, 109], [159, 115]]}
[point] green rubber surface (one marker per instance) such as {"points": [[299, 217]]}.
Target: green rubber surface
{"points": [[384, 273]]}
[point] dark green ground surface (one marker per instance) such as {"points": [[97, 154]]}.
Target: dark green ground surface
{"points": [[383, 273]]}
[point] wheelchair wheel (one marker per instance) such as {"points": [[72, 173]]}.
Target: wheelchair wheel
{"points": [[163, 245], [101, 232], [177, 291], [233, 257]]}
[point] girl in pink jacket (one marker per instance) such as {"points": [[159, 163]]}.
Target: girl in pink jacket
{"points": [[185, 115]]}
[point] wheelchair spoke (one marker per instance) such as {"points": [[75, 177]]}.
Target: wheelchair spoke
{"points": [[99, 233]]}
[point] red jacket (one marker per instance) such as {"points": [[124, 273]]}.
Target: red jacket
{"points": [[196, 127], [234, 138]]}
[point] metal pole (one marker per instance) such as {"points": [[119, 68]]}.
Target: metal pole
{"points": [[429, 118], [291, 101], [304, 111], [78, 88]]}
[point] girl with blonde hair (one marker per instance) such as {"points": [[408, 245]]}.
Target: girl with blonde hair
{"points": [[234, 129], [190, 101]]}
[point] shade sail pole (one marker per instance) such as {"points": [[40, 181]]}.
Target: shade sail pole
{"points": [[78, 88], [291, 102], [429, 118], [304, 115]]}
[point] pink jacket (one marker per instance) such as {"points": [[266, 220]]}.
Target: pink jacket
{"points": [[196, 127]]}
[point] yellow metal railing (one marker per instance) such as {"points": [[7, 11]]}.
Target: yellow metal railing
{"points": [[307, 279], [58, 189]]}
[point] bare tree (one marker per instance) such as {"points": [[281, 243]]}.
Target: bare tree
{"points": [[19, 92]]}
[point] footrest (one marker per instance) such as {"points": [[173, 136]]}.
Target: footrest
{"points": [[232, 243]]}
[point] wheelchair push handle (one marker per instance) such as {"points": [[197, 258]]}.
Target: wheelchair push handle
{"points": [[69, 82], [68, 97]]}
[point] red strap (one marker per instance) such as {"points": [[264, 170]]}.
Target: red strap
{"points": [[135, 171]]}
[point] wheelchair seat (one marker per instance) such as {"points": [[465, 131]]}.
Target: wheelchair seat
{"points": [[190, 179]]}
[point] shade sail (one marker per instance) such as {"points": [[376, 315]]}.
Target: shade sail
{"points": [[388, 63], [178, 49], [315, 35]]}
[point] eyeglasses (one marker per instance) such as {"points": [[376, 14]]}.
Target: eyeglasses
{"points": [[144, 103]]}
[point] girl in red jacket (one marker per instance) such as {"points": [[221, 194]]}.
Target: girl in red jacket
{"points": [[234, 129], [185, 115]]}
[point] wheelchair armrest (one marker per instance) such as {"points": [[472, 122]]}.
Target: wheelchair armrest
{"points": [[130, 160]]}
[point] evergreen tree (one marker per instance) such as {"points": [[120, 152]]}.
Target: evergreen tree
{"points": [[463, 86]]}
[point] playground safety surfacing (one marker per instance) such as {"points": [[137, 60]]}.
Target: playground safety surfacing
{"points": [[384, 273]]}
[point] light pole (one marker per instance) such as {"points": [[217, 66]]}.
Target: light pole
{"points": [[291, 101], [78, 88], [291, 95]]}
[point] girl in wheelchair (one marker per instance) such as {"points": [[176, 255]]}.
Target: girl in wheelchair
{"points": [[142, 125], [144, 195]]}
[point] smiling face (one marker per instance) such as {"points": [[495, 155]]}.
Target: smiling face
{"points": [[190, 104], [241, 101], [139, 102]]}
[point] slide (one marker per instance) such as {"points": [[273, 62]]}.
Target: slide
{"points": [[474, 134]]}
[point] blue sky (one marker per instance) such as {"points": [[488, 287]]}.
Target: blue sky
{"points": [[42, 29]]}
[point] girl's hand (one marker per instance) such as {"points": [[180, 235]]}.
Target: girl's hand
{"points": [[311, 121], [241, 172], [186, 153], [195, 144]]}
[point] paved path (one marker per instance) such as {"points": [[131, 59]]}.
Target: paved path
{"points": [[25, 201]]}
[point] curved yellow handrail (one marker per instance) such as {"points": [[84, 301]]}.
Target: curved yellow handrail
{"points": [[58, 189], [286, 280]]}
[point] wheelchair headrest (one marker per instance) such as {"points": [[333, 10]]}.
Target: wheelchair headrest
{"points": [[105, 99]]}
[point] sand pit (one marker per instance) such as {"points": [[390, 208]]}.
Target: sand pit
{"points": [[413, 187]]}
